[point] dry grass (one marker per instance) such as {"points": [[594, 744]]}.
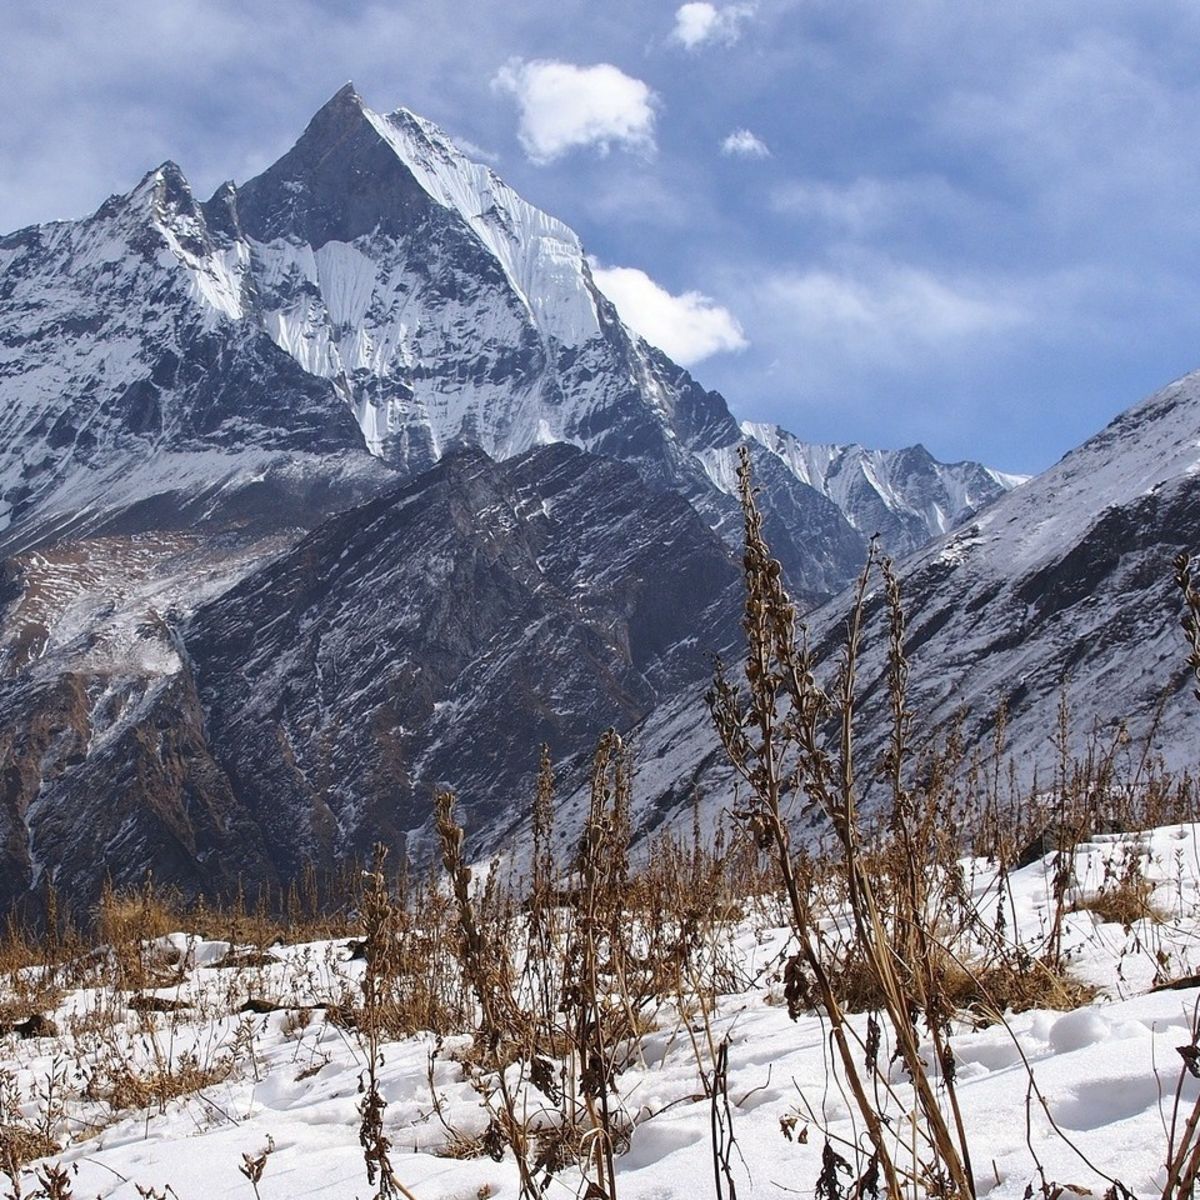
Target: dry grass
{"points": [[882, 920], [124, 1089], [981, 992], [1125, 903], [20, 1145], [34, 1000], [1005, 988]]}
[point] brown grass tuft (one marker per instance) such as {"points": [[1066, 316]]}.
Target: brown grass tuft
{"points": [[1124, 903]]}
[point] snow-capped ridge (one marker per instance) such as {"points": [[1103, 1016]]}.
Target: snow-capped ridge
{"points": [[907, 494], [270, 365], [542, 257], [408, 296]]}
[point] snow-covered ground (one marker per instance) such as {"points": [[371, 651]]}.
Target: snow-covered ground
{"points": [[1107, 1072]]}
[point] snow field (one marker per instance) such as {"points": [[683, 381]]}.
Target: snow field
{"points": [[1107, 1072]]}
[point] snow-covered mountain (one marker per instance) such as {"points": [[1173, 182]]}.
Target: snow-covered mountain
{"points": [[1061, 591], [435, 636], [374, 290], [904, 496], [228, 643]]}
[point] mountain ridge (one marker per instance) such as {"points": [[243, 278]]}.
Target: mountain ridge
{"points": [[370, 255], [1057, 598], [433, 637]]}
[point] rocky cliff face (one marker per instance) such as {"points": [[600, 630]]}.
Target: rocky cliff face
{"points": [[434, 637]]}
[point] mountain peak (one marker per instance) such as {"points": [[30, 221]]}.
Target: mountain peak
{"points": [[171, 173], [341, 180], [168, 174], [347, 94], [163, 194], [341, 114], [343, 104]]}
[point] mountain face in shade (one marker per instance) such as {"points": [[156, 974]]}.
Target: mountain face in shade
{"points": [[434, 637], [369, 302]]}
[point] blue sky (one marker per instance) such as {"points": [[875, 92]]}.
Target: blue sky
{"points": [[973, 225]]}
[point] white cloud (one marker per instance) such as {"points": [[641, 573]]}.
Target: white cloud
{"points": [[887, 312], [741, 143], [861, 206], [699, 22], [688, 328], [564, 106]]}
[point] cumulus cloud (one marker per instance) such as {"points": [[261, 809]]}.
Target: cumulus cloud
{"points": [[699, 22], [563, 106], [688, 328], [741, 143]]}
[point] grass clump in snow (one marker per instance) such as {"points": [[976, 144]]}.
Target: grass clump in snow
{"points": [[1123, 904]]}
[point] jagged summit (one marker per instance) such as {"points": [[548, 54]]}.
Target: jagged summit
{"points": [[377, 291], [346, 94], [168, 174], [902, 495], [340, 181], [355, 172], [338, 113]]}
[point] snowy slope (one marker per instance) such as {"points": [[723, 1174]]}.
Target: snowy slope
{"points": [[1066, 583], [1061, 590], [542, 259]]}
